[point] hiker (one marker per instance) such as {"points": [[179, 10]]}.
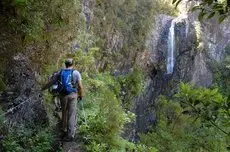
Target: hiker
{"points": [[71, 90]]}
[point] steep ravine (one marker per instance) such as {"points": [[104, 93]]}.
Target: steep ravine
{"points": [[196, 46]]}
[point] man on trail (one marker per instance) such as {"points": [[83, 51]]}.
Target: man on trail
{"points": [[70, 89]]}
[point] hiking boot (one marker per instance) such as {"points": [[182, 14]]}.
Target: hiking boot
{"points": [[68, 139]]}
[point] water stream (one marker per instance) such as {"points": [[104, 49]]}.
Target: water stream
{"points": [[171, 41], [171, 47]]}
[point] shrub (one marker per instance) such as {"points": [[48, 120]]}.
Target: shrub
{"points": [[105, 116], [195, 120], [28, 140]]}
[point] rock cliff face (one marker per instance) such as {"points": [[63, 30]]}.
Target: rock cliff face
{"points": [[22, 101], [196, 45]]}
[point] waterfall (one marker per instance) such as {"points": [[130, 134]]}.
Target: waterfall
{"points": [[171, 41], [171, 47], [187, 27]]}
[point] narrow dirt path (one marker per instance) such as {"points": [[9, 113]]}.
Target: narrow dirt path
{"points": [[67, 146], [71, 147]]}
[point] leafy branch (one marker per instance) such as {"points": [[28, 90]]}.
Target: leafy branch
{"points": [[210, 8]]}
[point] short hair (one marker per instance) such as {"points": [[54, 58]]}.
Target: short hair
{"points": [[68, 62]]}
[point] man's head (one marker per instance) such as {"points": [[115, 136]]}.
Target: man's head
{"points": [[69, 62]]}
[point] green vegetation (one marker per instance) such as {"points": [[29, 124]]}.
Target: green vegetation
{"points": [[42, 29], [221, 73], [28, 140], [210, 8], [196, 119], [105, 116], [164, 7], [32, 17], [34, 139], [131, 86]]}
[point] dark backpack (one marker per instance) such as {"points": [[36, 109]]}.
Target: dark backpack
{"points": [[54, 88], [65, 82]]}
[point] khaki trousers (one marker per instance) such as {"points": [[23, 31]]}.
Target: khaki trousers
{"points": [[69, 113]]}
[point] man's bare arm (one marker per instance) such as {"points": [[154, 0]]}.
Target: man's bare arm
{"points": [[80, 89]]}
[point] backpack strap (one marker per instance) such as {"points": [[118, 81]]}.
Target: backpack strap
{"points": [[59, 76], [72, 78]]}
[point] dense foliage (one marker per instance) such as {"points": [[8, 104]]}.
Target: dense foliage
{"points": [[29, 140], [196, 119], [210, 8], [105, 116]]}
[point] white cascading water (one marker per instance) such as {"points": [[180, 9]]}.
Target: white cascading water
{"points": [[187, 27], [171, 41], [171, 47]]}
